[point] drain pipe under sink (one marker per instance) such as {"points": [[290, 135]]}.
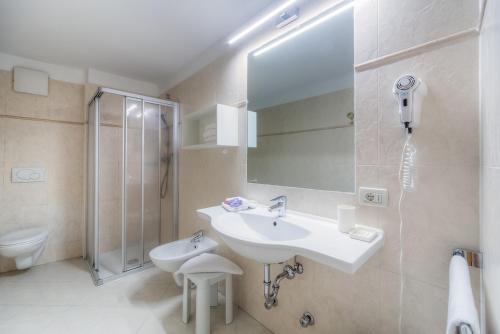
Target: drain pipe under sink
{"points": [[271, 289]]}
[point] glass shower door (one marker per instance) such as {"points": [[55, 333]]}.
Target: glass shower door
{"points": [[110, 197], [134, 140], [152, 178], [168, 194], [90, 250], [132, 180]]}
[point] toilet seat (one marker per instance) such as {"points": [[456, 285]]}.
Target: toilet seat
{"points": [[25, 236]]}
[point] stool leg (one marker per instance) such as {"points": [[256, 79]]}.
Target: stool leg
{"points": [[229, 298], [203, 308], [186, 300], [214, 295]]}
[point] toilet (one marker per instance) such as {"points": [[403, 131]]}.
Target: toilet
{"points": [[25, 246]]}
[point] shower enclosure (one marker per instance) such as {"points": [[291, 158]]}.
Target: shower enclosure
{"points": [[131, 180]]}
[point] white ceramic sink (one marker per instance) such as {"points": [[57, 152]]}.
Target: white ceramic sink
{"points": [[259, 235], [254, 232]]}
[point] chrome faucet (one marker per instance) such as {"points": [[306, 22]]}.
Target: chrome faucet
{"points": [[280, 205], [197, 237]]}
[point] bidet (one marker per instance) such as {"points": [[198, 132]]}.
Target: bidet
{"points": [[170, 256]]}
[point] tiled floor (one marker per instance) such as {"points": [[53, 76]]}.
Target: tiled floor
{"points": [[61, 298]]}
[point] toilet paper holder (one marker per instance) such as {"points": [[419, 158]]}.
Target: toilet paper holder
{"points": [[473, 258]]}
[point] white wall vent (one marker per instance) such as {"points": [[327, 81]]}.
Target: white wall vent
{"points": [[31, 81]]}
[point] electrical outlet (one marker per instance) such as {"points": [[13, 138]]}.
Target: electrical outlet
{"points": [[373, 196]]}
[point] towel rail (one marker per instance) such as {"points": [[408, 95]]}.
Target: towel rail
{"points": [[464, 329], [473, 258]]}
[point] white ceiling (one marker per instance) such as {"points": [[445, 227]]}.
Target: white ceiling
{"points": [[150, 40]]}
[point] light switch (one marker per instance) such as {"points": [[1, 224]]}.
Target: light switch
{"points": [[373, 196], [27, 174]]}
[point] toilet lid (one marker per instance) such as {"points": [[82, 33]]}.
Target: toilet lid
{"points": [[23, 236]]}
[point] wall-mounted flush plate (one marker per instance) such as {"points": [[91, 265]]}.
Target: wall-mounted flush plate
{"points": [[373, 196], [26, 175]]}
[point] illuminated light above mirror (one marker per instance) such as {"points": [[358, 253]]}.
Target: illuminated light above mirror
{"points": [[301, 106], [309, 25], [260, 22]]}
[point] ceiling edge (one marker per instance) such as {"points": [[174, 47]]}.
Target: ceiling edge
{"points": [[56, 72]]}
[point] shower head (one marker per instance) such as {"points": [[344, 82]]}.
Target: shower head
{"points": [[164, 119]]}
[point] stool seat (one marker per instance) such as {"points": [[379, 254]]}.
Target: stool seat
{"points": [[206, 285]]}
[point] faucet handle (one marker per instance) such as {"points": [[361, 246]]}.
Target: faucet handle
{"points": [[197, 236], [281, 198]]}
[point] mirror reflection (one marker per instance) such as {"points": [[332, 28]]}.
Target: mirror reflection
{"points": [[301, 109]]}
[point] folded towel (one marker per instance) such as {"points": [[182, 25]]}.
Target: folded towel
{"points": [[206, 263], [209, 132], [210, 126], [234, 204], [461, 305], [207, 139], [235, 209]]}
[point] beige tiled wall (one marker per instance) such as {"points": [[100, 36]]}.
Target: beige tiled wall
{"points": [[56, 204], [490, 125], [440, 215]]}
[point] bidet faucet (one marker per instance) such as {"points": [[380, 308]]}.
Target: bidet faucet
{"points": [[197, 237], [280, 205]]}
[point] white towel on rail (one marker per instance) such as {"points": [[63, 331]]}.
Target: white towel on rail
{"points": [[461, 305]]}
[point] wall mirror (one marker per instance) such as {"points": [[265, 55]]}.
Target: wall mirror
{"points": [[301, 107]]}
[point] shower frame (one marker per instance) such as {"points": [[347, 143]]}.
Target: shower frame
{"points": [[94, 267]]}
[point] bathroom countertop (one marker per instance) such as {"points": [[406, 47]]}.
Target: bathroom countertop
{"points": [[325, 244], [211, 213]]}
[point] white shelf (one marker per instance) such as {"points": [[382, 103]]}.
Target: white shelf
{"points": [[200, 146], [223, 120]]}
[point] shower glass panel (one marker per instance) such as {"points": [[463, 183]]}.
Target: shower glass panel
{"points": [[110, 184], [152, 179], [168, 195], [131, 180], [133, 184], [91, 183]]}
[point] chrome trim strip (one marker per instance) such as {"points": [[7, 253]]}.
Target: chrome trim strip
{"points": [[142, 188], [100, 281], [97, 117], [124, 186], [175, 173], [155, 100], [159, 169]]}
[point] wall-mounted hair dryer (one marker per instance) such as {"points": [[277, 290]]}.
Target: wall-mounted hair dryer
{"points": [[409, 90]]}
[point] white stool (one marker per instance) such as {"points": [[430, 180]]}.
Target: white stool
{"points": [[206, 284]]}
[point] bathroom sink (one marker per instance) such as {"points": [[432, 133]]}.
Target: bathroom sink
{"points": [[263, 237], [254, 232], [261, 226]]}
